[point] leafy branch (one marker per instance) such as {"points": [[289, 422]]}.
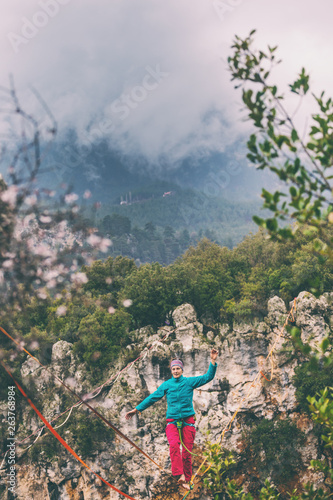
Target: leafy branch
{"points": [[303, 167]]}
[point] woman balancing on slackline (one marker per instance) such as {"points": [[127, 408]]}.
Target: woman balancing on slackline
{"points": [[179, 394]]}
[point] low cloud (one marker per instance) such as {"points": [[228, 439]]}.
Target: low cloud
{"points": [[150, 77]]}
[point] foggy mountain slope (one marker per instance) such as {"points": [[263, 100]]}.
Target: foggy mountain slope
{"points": [[108, 174]]}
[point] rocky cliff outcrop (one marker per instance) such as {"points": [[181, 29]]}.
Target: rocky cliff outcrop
{"points": [[51, 473]]}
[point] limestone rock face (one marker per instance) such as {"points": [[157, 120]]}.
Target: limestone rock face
{"points": [[276, 311], [311, 317], [237, 387], [184, 315]]}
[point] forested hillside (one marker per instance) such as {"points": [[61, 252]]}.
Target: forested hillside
{"points": [[155, 228], [224, 286]]}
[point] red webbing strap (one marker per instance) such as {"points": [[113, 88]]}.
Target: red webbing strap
{"points": [[54, 432], [117, 431], [268, 380]]}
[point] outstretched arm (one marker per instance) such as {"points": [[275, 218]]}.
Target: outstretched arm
{"points": [[196, 382], [150, 400], [131, 414], [213, 355]]}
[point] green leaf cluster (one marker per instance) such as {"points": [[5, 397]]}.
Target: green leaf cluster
{"points": [[274, 447], [301, 161], [221, 462], [321, 407], [311, 378]]}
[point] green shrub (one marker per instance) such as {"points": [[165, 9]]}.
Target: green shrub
{"points": [[309, 380], [47, 447], [101, 337], [88, 432], [221, 463], [273, 447]]}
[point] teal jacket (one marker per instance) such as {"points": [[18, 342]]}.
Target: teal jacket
{"points": [[179, 394]]}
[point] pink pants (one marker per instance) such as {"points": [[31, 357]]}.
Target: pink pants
{"points": [[181, 463]]}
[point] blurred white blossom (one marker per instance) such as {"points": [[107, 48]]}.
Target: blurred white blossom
{"points": [[34, 345], [8, 264], [10, 195], [93, 240], [51, 274], [71, 382], [42, 294], [43, 250], [45, 219], [71, 197], [79, 278], [51, 284], [31, 200], [101, 244], [21, 345], [27, 219], [105, 244], [61, 311]]}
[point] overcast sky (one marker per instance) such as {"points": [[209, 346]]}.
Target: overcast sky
{"points": [[150, 74]]}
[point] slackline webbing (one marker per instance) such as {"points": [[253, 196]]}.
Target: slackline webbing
{"points": [[93, 393], [117, 431], [60, 439]]}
